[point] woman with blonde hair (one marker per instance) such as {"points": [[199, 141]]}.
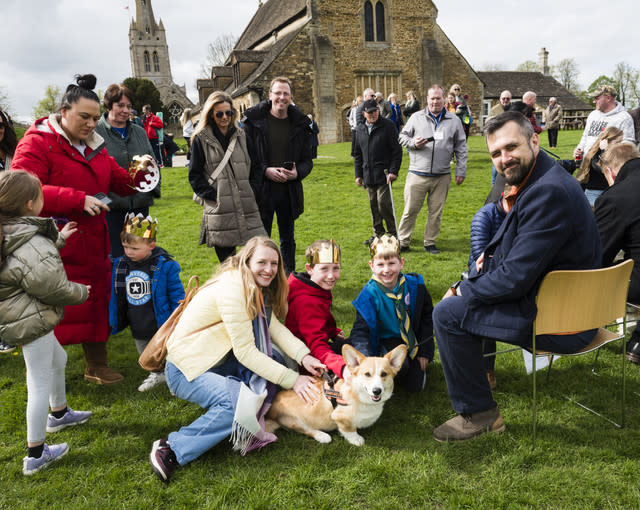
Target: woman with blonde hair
{"points": [[222, 356], [219, 172], [412, 105], [396, 112], [590, 175]]}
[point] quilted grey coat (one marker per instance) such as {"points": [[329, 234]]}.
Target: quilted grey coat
{"points": [[34, 288]]}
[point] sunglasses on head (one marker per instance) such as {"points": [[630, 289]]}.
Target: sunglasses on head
{"points": [[228, 113]]}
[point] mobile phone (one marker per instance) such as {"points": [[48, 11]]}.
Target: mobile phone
{"points": [[288, 165], [103, 198]]}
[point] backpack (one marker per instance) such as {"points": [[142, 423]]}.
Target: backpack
{"points": [[154, 355]]}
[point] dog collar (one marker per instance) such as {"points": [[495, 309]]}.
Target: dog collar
{"points": [[332, 395]]}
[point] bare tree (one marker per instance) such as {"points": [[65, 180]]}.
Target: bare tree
{"points": [[217, 53], [493, 66], [5, 103], [528, 66], [625, 79], [566, 72]]}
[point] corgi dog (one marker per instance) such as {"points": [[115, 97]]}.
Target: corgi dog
{"points": [[357, 401]]}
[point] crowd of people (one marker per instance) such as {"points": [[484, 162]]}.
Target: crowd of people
{"points": [[79, 259]]}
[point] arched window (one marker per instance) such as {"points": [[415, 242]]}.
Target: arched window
{"points": [[156, 62], [368, 21], [379, 21], [147, 62]]}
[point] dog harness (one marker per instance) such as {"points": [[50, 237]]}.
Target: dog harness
{"points": [[333, 395]]}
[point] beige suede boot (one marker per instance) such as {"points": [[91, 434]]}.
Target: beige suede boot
{"points": [[97, 370]]}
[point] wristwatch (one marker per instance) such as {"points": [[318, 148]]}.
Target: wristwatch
{"points": [[455, 289]]}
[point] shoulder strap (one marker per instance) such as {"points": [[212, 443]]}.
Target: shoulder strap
{"points": [[223, 163]]}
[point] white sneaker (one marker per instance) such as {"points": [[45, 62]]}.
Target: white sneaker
{"points": [[152, 380]]}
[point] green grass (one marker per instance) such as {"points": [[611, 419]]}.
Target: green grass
{"points": [[581, 461]]}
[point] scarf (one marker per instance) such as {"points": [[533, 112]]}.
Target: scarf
{"points": [[253, 396], [402, 314]]}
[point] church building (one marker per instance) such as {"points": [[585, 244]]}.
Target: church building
{"points": [[150, 59], [333, 49]]}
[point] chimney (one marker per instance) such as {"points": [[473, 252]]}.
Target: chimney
{"points": [[543, 61]]}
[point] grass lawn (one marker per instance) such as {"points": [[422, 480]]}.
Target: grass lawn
{"points": [[580, 462]]}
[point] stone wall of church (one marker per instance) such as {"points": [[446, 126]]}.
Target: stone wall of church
{"points": [[330, 63]]}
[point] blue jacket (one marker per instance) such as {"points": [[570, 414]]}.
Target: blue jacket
{"points": [[166, 291], [550, 226], [364, 334], [484, 225]]}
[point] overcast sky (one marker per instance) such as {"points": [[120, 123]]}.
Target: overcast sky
{"points": [[48, 41]]}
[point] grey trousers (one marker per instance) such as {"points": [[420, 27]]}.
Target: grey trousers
{"points": [[381, 203]]}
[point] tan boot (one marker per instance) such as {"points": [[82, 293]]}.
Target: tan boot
{"points": [[463, 427], [97, 370]]}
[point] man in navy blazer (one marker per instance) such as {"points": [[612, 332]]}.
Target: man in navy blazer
{"points": [[549, 226]]}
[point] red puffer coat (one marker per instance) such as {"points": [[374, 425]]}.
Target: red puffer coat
{"points": [[67, 177]]}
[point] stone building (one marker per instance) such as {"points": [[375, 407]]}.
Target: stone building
{"points": [[150, 59], [333, 49], [574, 109]]}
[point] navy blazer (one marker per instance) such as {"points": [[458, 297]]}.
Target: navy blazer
{"points": [[550, 226]]}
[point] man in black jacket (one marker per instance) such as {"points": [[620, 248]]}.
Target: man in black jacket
{"points": [[281, 140], [617, 213], [377, 160]]}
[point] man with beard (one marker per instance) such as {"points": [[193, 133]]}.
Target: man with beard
{"points": [[549, 226]]}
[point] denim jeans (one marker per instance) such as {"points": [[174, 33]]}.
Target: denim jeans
{"points": [[209, 391], [279, 203], [462, 361], [592, 195]]}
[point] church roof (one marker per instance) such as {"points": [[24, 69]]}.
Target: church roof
{"points": [[519, 82], [270, 16]]}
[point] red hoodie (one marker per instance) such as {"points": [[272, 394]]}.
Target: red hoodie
{"points": [[309, 318]]}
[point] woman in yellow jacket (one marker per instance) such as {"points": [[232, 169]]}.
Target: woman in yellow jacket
{"points": [[222, 356]]}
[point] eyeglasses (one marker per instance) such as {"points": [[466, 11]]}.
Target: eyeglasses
{"points": [[127, 106], [228, 113]]}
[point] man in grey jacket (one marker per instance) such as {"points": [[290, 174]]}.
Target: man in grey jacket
{"points": [[432, 136]]}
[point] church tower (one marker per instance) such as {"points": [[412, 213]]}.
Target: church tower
{"points": [[148, 46], [150, 59]]}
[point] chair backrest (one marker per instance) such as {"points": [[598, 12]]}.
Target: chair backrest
{"points": [[571, 301]]}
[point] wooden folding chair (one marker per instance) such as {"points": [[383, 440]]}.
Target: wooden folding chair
{"points": [[570, 301]]}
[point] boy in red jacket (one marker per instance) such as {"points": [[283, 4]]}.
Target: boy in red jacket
{"points": [[309, 317]]}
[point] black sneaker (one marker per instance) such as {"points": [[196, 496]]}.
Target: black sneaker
{"points": [[163, 460], [404, 248], [432, 249], [369, 241], [6, 348]]}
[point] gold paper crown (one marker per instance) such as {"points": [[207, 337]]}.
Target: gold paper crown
{"points": [[140, 226], [328, 252], [385, 246]]}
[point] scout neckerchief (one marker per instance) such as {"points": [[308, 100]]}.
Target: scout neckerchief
{"points": [[404, 321]]}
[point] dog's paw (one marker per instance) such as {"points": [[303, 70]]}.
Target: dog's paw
{"points": [[354, 438], [321, 437]]}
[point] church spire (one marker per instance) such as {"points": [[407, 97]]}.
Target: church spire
{"points": [[145, 22]]}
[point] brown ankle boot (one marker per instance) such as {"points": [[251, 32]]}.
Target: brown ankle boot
{"points": [[97, 370]]}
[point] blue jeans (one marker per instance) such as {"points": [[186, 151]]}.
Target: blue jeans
{"points": [[209, 391], [592, 195], [278, 202], [462, 361]]}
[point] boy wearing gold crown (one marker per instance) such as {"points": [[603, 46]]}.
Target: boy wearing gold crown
{"points": [[394, 308], [145, 286], [309, 317]]}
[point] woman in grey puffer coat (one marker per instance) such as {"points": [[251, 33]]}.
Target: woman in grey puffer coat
{"points": [[33, 292]]}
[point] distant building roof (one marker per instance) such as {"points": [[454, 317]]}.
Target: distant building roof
{"points": [[519, 82], [270, 17]]}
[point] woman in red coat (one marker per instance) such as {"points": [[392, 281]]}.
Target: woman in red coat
{"points": [[71, 162]]}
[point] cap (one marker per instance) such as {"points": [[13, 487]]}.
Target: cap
{"points": [[370, 105], [135, 112], [604, 89]]}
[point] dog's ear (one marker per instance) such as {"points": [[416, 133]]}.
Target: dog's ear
{"points": [[396, 357], [352, 356]]}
